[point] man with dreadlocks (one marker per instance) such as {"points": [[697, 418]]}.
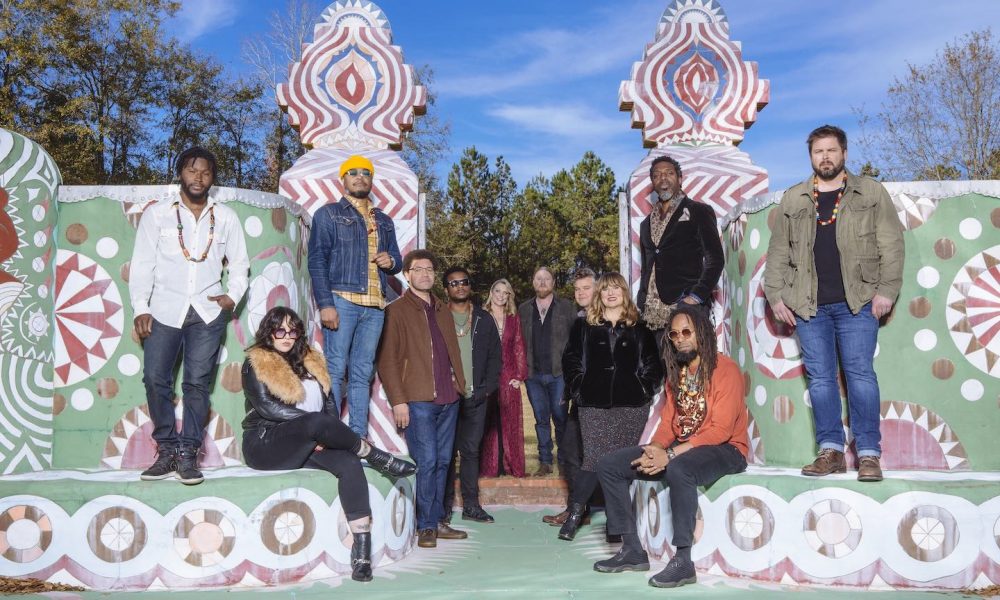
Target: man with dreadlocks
{"points": [[701, 437]]}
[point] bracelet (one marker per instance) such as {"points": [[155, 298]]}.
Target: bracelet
{"points": [[670, 453]]}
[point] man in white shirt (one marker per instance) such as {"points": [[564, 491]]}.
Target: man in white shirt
{"points": [[179, 304]]}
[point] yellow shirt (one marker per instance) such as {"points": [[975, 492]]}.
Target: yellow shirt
{"points": [[373, 296]]}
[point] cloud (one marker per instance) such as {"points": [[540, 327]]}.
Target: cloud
{"points": [[548, 56], [566, 120], [198, 17]]}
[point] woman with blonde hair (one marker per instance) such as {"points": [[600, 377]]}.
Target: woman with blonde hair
{"points": [[502, 451], [613, 371]]}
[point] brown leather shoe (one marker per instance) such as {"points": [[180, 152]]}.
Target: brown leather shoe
{"points": [[445, 532], [558, 520], [869, 469], [543, 470], [829, 461], [427, 538]]}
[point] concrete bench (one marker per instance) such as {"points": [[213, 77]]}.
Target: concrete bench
{"points": [[241, 527], [917, 529]]}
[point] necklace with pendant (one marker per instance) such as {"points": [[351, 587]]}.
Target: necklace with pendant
{"points": [[463, 329], [499, 323]]}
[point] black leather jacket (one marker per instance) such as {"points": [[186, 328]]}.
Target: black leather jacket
{"points": [[264, 409], [486, 359], [607, 367]]}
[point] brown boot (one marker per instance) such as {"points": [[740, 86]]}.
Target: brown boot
{"points": [[556, 519], [869, 469], [445, 532], [829, 461], [544, 470], [427, 538]]}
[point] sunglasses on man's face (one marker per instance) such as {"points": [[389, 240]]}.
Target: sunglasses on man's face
{"points": [[459, 282], [362, 172], [675, 335], [281, 333]]}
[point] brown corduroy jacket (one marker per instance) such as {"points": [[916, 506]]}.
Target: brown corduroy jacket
{"points": [[405, 363]]}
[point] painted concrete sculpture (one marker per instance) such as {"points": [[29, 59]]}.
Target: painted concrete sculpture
{"points": [[352, 94], [71, 397], [935, 521]]}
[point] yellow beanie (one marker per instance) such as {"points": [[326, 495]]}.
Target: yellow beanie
{"points": [[356, 162]]}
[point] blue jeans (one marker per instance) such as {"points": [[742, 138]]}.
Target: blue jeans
{"points": [[545, 395], [200, 343], [431, 437], [836, 327], [353, 345]]}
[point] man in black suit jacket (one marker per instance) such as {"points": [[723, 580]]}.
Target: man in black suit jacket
{"points": [[680, 250]]}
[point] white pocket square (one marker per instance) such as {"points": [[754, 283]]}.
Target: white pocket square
{"points": [[685, 216]]}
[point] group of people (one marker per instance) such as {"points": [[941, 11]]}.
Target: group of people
{"points": [[453, 370]]}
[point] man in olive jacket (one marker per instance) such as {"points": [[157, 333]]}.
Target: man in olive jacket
{"points": [[420, 366], [834, 268]]}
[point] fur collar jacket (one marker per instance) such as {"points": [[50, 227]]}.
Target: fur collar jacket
{"points": [[273, 391], [274, 371]]}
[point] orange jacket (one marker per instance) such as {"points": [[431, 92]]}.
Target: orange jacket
{"points": [[726, 421]]}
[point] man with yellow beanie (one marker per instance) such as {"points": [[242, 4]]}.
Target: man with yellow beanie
{"points": [[352, 253]]}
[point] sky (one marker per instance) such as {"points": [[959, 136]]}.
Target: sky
{"points": [[537, 81]]}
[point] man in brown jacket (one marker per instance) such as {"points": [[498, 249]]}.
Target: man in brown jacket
{"points": [[420, 366]]}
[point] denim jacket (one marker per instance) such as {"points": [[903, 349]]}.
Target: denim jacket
{"points": [[338, 251]]}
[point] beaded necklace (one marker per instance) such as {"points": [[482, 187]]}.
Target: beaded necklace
{"points": [[180, 233], [691, 404], [836, 203]]}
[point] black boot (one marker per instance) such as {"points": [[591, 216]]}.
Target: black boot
{"points": [[361, 557], [187, 466], [165, 465], [388, 464], [568, 530]]}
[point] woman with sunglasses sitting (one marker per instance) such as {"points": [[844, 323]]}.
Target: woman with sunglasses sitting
{"points": [[292, 423], [613, 371]]}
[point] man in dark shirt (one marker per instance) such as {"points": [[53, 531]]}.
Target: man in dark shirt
{"points": [[834, 268], [545, 325]]}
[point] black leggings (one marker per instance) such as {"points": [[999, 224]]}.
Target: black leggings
{"points": [[291, 445]]}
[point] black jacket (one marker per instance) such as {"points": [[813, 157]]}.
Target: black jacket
{"points": [[272, 390], [601, 376], [563, 314], [486, 359], [688, 259]]}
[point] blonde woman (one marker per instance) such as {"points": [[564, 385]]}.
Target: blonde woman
{"points": [[502, 452], [612, 370]]}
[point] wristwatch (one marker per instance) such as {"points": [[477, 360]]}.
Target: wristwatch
{"points": [[670, 453]]}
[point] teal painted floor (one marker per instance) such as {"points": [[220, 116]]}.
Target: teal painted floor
{"points": [[517, 557]]}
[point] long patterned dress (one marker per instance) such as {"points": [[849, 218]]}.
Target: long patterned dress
{"points": [[503, 440]]}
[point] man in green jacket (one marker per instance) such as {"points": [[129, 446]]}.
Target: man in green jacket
{"points": [[834, 268]]}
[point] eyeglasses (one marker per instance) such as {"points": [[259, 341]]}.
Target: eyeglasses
{"points": [[367, 174], [685, 333], [459, 282], [280, 333], [418, 270]]}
